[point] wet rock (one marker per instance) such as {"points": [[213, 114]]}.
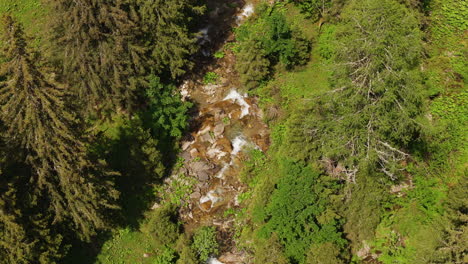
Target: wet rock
{"points": [[206, 205], [210, 200], [217, 222], [224, 144], [210, 89], [235, 114], [186, 155], [206, 138], [216, 153], [203, 176], [230, 258], [364, 251], [219, 129], [201, 186], [204, 130], [194, 153], [186, 144], [199, 166], [195, 195]]}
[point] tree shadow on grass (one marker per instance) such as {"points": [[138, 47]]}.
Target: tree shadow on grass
{"points": [[133, 152]]}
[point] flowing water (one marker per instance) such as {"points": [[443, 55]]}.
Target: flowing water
{"points": [[226, 123]]}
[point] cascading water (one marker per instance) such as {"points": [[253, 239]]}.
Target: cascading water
{"points": [[237, 145], [247, 11], [227, 121], [213, 261], [239, 99]]}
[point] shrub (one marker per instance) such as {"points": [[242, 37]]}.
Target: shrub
{"points": [[166, 257], [298, 213], [204, 243], [219, 55], [267, 42], [210, 78], [162, 227]]}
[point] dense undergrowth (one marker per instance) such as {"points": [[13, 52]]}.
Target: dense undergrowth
{"points": [[409, 219], [367, 106]]}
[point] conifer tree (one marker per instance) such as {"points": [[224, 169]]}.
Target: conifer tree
{"points": [[34, 111], [252, 63], [164, 21], [99, 50], [107, 48], [371, 115]]}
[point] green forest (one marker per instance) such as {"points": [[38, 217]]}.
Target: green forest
{"points": [[233, 131]]}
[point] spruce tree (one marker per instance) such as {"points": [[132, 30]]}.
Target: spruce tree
{"points": [[98, 49], [164, 21], [107, 48], [252, 63], [34, 111], [371, 115]]}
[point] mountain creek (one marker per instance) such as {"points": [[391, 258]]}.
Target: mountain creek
{"points": [[224, 124]]}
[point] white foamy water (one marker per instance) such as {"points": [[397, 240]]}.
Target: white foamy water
{"points": [[247, 11], [237, 98], [213, 261], [210, 196], [220, 174], [237, 144]]}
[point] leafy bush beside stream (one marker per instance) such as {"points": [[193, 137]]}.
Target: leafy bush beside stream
{"points": [[267, 42]]}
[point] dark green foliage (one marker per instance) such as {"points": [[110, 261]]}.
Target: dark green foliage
{"points": [[131, 149], [298, 212], [454, 248], [99, 50], [36, 115], [281, 43], [314, 8], [162, 227], [187, 254], [205, 244], [166, 256], [267, 42], [25, 232], [364, 211], [106, 48], [163, 22], [373, 111], [55, 181], [325, 10], [252, 63], [326, 253], [270, 251], [168, 114]]}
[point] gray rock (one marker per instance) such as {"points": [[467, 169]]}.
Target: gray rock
{"points": [[219, 129], [195, 195], [206, 138], [186, 156], [203, 176], [194, 153], [199, 166]]}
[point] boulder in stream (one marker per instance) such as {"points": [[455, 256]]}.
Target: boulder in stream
{"points": [[210, 200], [219, 129]]}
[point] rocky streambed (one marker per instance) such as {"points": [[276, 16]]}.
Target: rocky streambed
{"points": [[225, 124]]}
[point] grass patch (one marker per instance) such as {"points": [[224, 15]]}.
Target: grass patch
{"points": [[31, 13], [126, 246]]}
